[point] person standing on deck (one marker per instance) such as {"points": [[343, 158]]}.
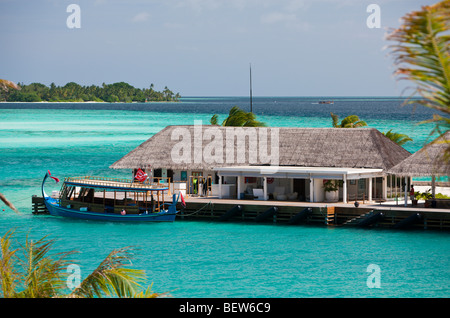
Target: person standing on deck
{"points": [[411, 192]]}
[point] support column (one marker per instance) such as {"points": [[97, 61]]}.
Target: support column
{"points": [[433, 186], [344, 190], [220, 186], [265, 187], [391, 185], [384, 187], [370, 189], [406, 191], [238, 186], [375, 187], [396, 188], [311, 190]]}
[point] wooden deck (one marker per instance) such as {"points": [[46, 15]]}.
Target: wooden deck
{"points": [[327, 214]]}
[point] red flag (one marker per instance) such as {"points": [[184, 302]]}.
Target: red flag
{"points": [[54, 178], [182, 200], [141, 175]]}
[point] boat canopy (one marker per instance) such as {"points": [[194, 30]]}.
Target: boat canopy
{"points": [[112, 184]]}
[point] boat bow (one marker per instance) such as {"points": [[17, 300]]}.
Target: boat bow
{"points": [[47, 174]]}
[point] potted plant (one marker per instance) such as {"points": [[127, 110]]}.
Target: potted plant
{"points": [[331, 188], [427, 196], [417, 196]]}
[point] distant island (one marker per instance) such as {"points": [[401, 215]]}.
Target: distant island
{"points": [[73, 92]]}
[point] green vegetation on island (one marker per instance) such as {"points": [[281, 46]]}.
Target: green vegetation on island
{"points": [[73, 92]]}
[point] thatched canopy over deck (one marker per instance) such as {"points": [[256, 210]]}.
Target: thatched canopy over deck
{"points": [[428, 161], [297, 147]]}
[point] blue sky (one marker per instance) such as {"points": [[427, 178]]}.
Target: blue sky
{"points": [[204, 47]]}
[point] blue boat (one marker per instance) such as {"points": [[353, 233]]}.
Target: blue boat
{"points": [[106, 199]]}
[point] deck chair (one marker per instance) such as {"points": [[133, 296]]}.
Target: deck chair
{"points": [[278, 191], [258, 194]]}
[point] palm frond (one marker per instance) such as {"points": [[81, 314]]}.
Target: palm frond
{"points": [[35, 274], [6, 85], [422, 56], [239, 118], [335, 120], [8, 203], [42, 270], [39, 274], [148, 293], [351, 121], [360, 123], [9, 277], [214, 120], [398, 138], [111, 278]]}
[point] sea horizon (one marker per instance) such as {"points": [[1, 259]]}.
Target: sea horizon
{"points": [[238, 96]]}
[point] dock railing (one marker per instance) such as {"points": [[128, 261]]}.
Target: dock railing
{"points": [[164, 180], [105, 181]]}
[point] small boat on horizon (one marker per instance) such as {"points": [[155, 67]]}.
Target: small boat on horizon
{"points": [[326, 102], [107, 199]]}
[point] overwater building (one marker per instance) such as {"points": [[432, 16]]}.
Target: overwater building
{"points": [[302, 164]]}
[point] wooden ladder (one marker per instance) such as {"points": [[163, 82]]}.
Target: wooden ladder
{"points": [[356, 220]]}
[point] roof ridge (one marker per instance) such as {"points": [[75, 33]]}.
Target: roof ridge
{"points": [[299, 146]]}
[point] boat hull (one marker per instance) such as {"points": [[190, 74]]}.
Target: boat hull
{"points": [[56, 210]]}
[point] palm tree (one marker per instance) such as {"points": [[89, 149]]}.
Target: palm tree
{"points": [[422, 55], [351, 121], [214, 120], [111, 278], [238, 118], [398, 138], [39, 274]]}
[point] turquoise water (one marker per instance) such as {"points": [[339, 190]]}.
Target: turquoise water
{"points": [[208, 259]]}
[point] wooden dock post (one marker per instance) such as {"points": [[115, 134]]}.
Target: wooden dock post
{"points": [[331, 215], [334, 215], [38, 205]]}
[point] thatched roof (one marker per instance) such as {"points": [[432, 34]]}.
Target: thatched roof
{"points": [[303, 147], [428, 161]]}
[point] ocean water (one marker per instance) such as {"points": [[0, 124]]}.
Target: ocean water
{"points": [[210, 259]]}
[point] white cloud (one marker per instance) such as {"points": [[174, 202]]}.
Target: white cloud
{"points": [[141, 17]]}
